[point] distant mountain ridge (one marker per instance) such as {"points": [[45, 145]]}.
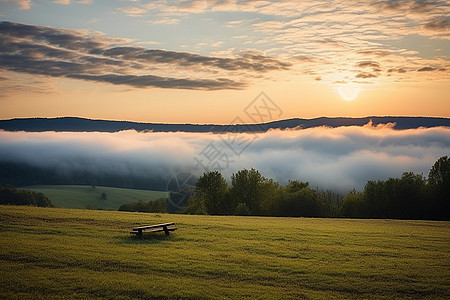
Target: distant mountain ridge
{"points": [[76, 124]]}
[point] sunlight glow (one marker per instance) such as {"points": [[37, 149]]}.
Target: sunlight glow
{"points": [[348, 92]]}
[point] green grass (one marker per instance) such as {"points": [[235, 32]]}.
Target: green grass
{"points": [[58, 253], [82, 196]]}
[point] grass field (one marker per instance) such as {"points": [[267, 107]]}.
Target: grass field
{"points": [[82, 196], [65, 253]]}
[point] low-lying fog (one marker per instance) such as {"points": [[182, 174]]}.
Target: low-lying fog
{"points": [[330, 158]]}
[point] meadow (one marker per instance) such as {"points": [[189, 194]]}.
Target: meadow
{"points": [[83, 196], [54, 253]]}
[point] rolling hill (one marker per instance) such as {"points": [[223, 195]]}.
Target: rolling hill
{"points": [[89, 125], [82, 196]]}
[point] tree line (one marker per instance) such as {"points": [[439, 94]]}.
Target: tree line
{"points": [[9, 195], [410, 197], [153, 206]]}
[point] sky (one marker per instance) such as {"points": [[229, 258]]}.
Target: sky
{"points": [[206, 61]]}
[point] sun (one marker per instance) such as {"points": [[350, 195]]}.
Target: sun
{"points": [[348, 92]]}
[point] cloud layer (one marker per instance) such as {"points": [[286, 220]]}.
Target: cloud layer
{"points": [[335, 158], [90, 56], [332, 35], [338, 42]]}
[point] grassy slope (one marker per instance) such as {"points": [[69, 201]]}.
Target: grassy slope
{"points": [[51, 252], [79, 196]]}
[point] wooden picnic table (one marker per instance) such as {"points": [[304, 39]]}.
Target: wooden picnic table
{"points": [[154, 228]]}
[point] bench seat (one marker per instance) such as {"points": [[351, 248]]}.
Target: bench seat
{"points": [[153, 228]]}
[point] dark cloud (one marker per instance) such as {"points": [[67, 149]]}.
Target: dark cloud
{"points": [[426, 69], [81, 55], [366, 75], [413, 6], [163, 82], [69, 39], [248, 61], [375, 66], [438, 25], [431, 69], [422, 6], [368, 64], [392, 5], [397, 70], [26, 64], [378, 52]]}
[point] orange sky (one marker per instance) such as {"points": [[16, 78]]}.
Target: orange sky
{"points": [[206, 61], [303, 99]]}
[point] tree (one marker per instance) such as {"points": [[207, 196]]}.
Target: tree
{"points": [[211, 187], [439, 187], [377, 204], [246, 188], [242, 210], [439, 175], [104, 196], [42, 200], [408, 199], [158, 205], [332, 203], [294, 186], [400, 198], [178, 199], [298, 200], [354, 205], [271, 191], [12, 196], [195, 206], [154, 206]]}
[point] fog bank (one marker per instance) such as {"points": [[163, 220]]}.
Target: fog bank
{"points": [[335, 158]]}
